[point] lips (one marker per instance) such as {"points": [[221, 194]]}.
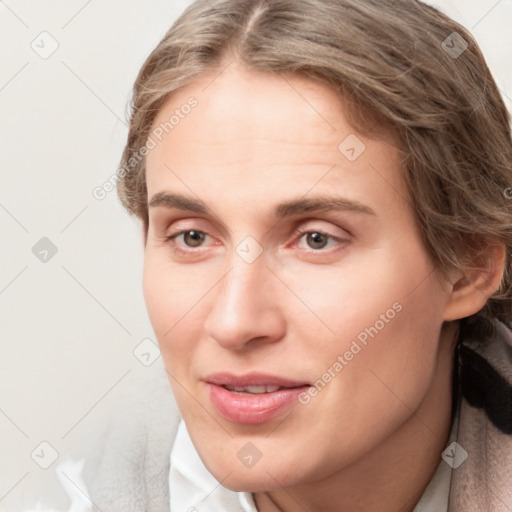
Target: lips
{"points": [[252, 398]]}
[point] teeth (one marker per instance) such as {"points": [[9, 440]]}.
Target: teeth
{"points": [[255, 390]]}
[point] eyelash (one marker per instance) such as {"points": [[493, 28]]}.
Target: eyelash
{"points": [[299, 232]]}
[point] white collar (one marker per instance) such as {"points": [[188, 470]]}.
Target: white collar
{"points": [[193, 488], [436, 496]]}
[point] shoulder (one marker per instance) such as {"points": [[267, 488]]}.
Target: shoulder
{"points": [[486, 372], [484, 441], [127, 461]]}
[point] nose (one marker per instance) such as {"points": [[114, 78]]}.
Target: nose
{"points": [[246, 310]]}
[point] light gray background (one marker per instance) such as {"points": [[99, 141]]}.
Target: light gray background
{"points": [[69, 326]]}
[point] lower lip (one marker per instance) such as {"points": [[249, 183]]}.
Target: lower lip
{"points": [[252, 409]]}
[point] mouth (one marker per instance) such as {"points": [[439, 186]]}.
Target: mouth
{"points": [[252, 398], [253, 390]]}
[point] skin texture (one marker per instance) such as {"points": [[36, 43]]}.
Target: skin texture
{"points": [[371, 439]]}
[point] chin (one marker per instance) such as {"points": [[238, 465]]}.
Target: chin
{"points": [[250, 480], [265, 475]]}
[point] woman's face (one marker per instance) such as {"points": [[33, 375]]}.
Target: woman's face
{"points": [[294, 303]]}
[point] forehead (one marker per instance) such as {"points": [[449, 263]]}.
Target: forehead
{"points": [[264, 132], [238, 105]]}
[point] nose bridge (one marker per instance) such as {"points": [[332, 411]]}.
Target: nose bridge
{"points": [[242, 288], [247, 262], [242, 307]]}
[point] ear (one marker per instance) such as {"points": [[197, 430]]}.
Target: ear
{"points": [[474, 284]]}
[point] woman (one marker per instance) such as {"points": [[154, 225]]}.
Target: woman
{"points": [[324, 190]]}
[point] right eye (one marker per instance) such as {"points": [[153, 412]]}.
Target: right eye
{"points": [[191, 237]]}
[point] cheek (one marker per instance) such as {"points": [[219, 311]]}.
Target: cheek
{"points": [[367, 291], [381, 314], [156, 290], [172, 298]]}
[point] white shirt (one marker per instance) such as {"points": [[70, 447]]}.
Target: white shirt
{"points": [[194, 489]]}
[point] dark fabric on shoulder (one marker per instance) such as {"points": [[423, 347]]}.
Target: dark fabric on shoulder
{"points": [[483, 387], [481, 383]]}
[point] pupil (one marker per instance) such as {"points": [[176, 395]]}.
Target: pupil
{"points": [[196, 237], [315, 237]]}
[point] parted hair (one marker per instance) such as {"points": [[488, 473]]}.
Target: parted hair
{"points": [[399, 65]]}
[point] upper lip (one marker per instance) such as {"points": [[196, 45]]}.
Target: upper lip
{"points": [[252, 379]]}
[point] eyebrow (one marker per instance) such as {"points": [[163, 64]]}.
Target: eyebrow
{"points": [[281, 210]]}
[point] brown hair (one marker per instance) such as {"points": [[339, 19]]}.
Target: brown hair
{"points": [[418, 73]]}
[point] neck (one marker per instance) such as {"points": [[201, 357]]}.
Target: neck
{"points": [[394, 475]]}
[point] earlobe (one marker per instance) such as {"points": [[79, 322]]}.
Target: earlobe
{"points": [[473, 286]]}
